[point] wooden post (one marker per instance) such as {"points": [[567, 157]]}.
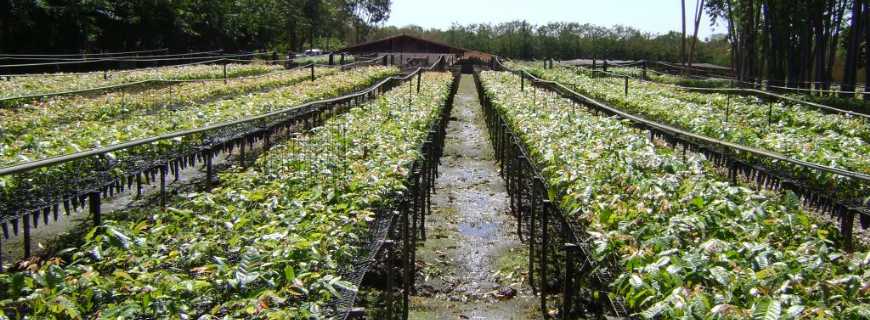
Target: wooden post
{"points": [[544, 239], [568, 293], [242, 152], [163, 170], [225, 73], [769, 114], [727, 107], [522, 81], [94, 207], [209, 169], [406, 261], [847, 219], [388, 291], [26, 221], [643, 75], [626, 86]]}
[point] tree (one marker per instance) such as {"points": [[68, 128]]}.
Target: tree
{"points": [[699, 7], [564, 40], [74, 25], [683, 40], [367, 13], [850, 67]]}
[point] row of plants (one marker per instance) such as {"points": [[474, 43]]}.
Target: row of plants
{"points": [[51, 141], [44, 186], [660, 77], [827, 139], [834, 100], [686, 244], [17, 86], [124, 104], [853, 103], [750, 110], [268, 243]]}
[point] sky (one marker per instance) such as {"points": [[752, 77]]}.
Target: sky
{"points": [[656, 16]]}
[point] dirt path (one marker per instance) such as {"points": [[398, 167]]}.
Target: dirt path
{"points": [[472, 264]]}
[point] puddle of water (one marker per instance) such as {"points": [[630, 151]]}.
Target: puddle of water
{"points": [[478, 230]]}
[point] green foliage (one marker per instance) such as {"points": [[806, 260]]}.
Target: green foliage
{"points": [[269, 243], [565, 40], [70, 26], [796, 131], [685, 243]]}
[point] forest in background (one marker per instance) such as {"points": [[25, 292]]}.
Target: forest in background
{"points": [[796, 43], [567, 40], [65, 26], [791, 43]]}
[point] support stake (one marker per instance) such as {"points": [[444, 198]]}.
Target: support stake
{"points": [[388, 291], [26, 219], [626, 86], [727, 107], [522, 81], [209, 169], [163, 170], [568, 294], [94, 207], [544, 239], [769, 114]]}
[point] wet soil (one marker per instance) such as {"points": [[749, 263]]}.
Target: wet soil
{"points": [[472, 265]]}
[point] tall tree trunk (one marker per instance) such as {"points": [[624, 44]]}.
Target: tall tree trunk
{"points": [[774, 40], [852, 51], [683, 38], [735, 40], [867, 52], [822, 28], [835, 38], [699, 7], [291, 33], [749, 25], [806, 63]]}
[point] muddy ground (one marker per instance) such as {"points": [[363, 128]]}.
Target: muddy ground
{"points": [[472, 265]]}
